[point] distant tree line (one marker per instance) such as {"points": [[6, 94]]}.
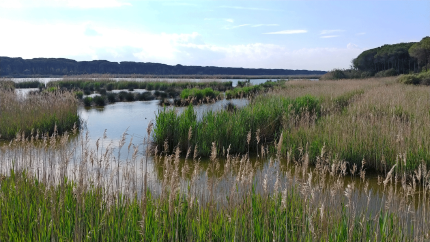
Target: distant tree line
{"points": [[403, 58], [60, 67]]}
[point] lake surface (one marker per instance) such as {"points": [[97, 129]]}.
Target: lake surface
{"points": [[134, 117], [234, 81]]}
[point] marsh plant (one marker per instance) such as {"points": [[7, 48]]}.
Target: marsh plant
{"points": [[36, 112], [52, 189], [374, 119]]}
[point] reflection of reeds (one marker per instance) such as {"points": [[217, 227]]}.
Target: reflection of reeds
{"points": [[39, 112], [56, 190]]}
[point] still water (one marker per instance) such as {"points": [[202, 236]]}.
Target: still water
{"points": [[234, 81]]}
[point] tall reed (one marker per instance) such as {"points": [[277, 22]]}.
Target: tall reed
{"points": [[229, 129], [39, 112], [57, 190]]}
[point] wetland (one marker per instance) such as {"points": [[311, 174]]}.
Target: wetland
{"points": [[296, 160]]}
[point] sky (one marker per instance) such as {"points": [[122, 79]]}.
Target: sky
{"points": [[312, 35]]}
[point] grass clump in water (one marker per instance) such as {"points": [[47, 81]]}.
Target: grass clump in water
{"points": [[40, 112], [226, 129]]}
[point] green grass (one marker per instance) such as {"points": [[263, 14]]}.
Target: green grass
{"points": [[243, 91], [229, 129], [199, 94], [33, 211], [95, 85], [29, 84]]}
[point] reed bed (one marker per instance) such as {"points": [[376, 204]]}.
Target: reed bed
{"points": [[261, 121], [7, 84], [30, 84], [374, 119], [38, 112], [109, 98], [244, 90], [53, 189], [380, 123], [112, 84]]}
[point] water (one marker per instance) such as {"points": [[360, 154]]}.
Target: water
{"points": [[134, 117], [234, 81]]}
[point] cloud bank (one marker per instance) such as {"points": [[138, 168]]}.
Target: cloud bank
{"points": [[89, 41]]}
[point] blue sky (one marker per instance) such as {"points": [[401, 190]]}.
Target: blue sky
{"points": [[313, 35]]}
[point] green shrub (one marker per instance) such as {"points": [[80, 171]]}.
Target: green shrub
{"points": [[409, 79], [129, 97], [111, 97], [79, 94], [146, 96], [29, 84], [122, 95], [102, 91], [385, 73], [99, 101], [88, 101]]}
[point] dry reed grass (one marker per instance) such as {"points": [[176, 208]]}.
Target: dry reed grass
{"points": [[234, 200], [386, 119], [39, 112]]}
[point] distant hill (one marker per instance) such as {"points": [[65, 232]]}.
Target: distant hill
{"points": [[18, 67]]}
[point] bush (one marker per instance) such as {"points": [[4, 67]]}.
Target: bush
{"points": [[422, 78], [111, 97], [79, 94], [129, 97], [109, 86], [102, 91], [88, 101], [146, 96], [99, 101], [385, 73], [121, 95]]}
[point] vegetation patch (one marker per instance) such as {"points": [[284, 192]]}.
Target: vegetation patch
{"points": [[258, 123], [45, 112]]}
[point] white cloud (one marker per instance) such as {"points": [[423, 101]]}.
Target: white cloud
{"points": [[324, 32], [260, 55], [297, 31], [259, 25], [352, 46], [329, 36], [96, 3], [10, 4], [230, 20], [29, 40], [237, 26], [63, 3], [248, 8], [78, 41]]}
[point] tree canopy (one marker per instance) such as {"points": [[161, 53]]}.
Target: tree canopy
{"points": [[402, 58]]}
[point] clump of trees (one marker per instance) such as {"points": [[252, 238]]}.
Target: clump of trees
{"points": [[421, 52], [387, 60], [403, 58]]}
